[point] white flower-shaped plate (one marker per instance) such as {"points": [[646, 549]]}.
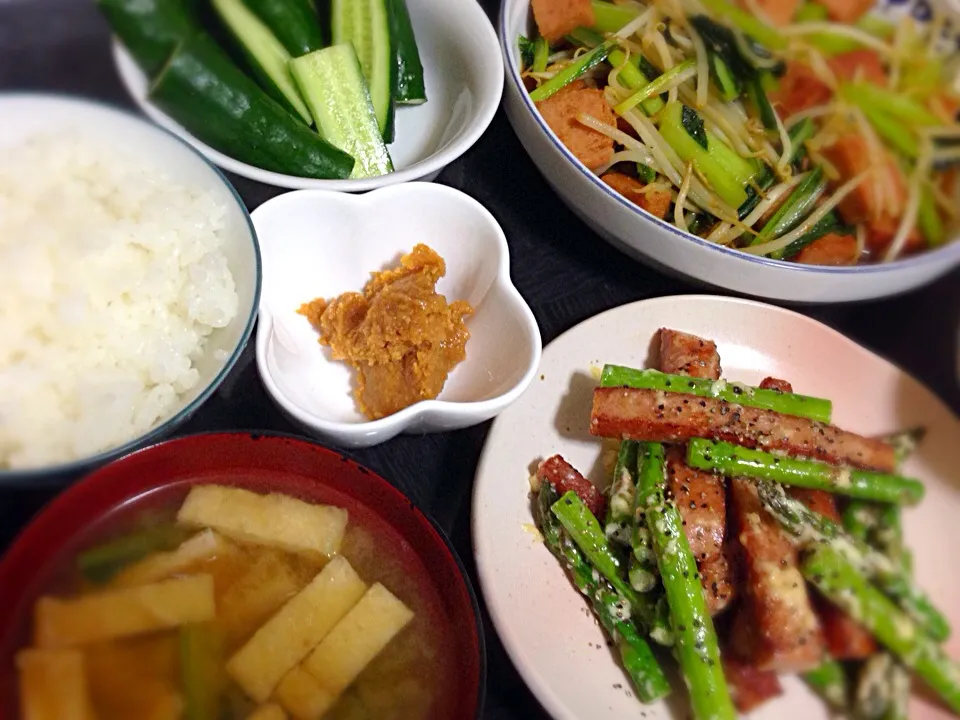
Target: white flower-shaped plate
{"points": [[542, 619], [319, 243]]}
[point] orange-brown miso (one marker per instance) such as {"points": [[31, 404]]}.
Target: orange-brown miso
{"points": [[399, 334]]}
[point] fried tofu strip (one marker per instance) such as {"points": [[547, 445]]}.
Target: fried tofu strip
{"points": [[657, 416], [776, 629]]}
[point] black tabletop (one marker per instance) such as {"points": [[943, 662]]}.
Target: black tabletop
{"points": [[562, 268]]}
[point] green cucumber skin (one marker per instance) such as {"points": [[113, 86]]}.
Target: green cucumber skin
{"points": [[408, 88], [294, 23], [204, 91], [366, 24], [150, 29], [243, 26], [332, 82]]}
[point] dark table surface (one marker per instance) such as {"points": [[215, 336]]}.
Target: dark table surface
{"points": [[564, 270]]}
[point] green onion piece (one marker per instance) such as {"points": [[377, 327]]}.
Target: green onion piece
{"points": [[796, 207], [654, 87], [583, 64]]}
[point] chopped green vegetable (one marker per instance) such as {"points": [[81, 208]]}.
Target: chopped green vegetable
{"points": [[645, 173], [830, 682], [747, 22], [810, 12], [654, 87], [541, 51], [693, 124], [609, 18], [929, 220], [571, 72], [201, 657], [829, 223], [725, 171], [525, 46], [100, 563], [794, 209], [869, 96]]}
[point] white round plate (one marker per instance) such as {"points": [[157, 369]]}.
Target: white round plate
{"points": [[543, 621], [463, 75]]}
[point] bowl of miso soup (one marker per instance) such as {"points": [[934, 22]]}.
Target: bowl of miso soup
{"points": [[232, 577]]}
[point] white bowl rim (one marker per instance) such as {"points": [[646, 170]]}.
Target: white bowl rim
{"points": [[433, 163], [35, 476], [950, 249], [411, 413]]}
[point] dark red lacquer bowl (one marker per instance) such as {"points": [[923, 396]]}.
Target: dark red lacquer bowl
{"points": [[158, 475]]}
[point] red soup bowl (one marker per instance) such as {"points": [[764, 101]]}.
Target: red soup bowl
{"points": [[160, 476]]}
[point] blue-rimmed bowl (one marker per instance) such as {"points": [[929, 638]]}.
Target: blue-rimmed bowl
{"points": [[661, 244], [23, 115]]}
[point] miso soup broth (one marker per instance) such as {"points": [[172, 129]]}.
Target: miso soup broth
{"points": [[227, 604]]}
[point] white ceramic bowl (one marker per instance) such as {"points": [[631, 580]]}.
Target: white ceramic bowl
{"points": [[659, 243], [320, 244], [463, 74], [23, 115]]}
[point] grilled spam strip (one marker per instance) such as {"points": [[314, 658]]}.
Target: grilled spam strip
{"points": [[700, 496], [776, 628], [565, 478], [629, 413], [685, 354], [749, 687], [846, 638]]}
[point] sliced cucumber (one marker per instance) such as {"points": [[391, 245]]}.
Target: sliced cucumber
{"points": [[202, 89], [332, 82], [294, 23], [408, 87], [150, 29], [366, 24], [268, 59]]}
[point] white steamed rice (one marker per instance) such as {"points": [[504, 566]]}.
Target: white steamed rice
{"points": [[111, 280]]}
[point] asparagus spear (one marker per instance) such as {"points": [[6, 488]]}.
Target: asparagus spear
{"points": [[830, 682], [809, 527], [585, 531], [622, 491], [730, 459], [635, 654], [842, 583], [872, 697], [905, 442], [695, 637], [818, 409], [571, 72], [649, 473]]}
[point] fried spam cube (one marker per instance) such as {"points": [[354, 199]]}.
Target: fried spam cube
{"points": [[202, 547], [355, 641], [53, 685], [124, 612], [296, 628], [269, 711], [256, 595], [273, 520]]}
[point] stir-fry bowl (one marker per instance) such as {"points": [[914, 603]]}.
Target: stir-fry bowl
{"points": [[162, 474], [661, 244]]}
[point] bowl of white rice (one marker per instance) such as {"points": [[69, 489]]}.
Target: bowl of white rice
{"points": [[129, 282]]}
